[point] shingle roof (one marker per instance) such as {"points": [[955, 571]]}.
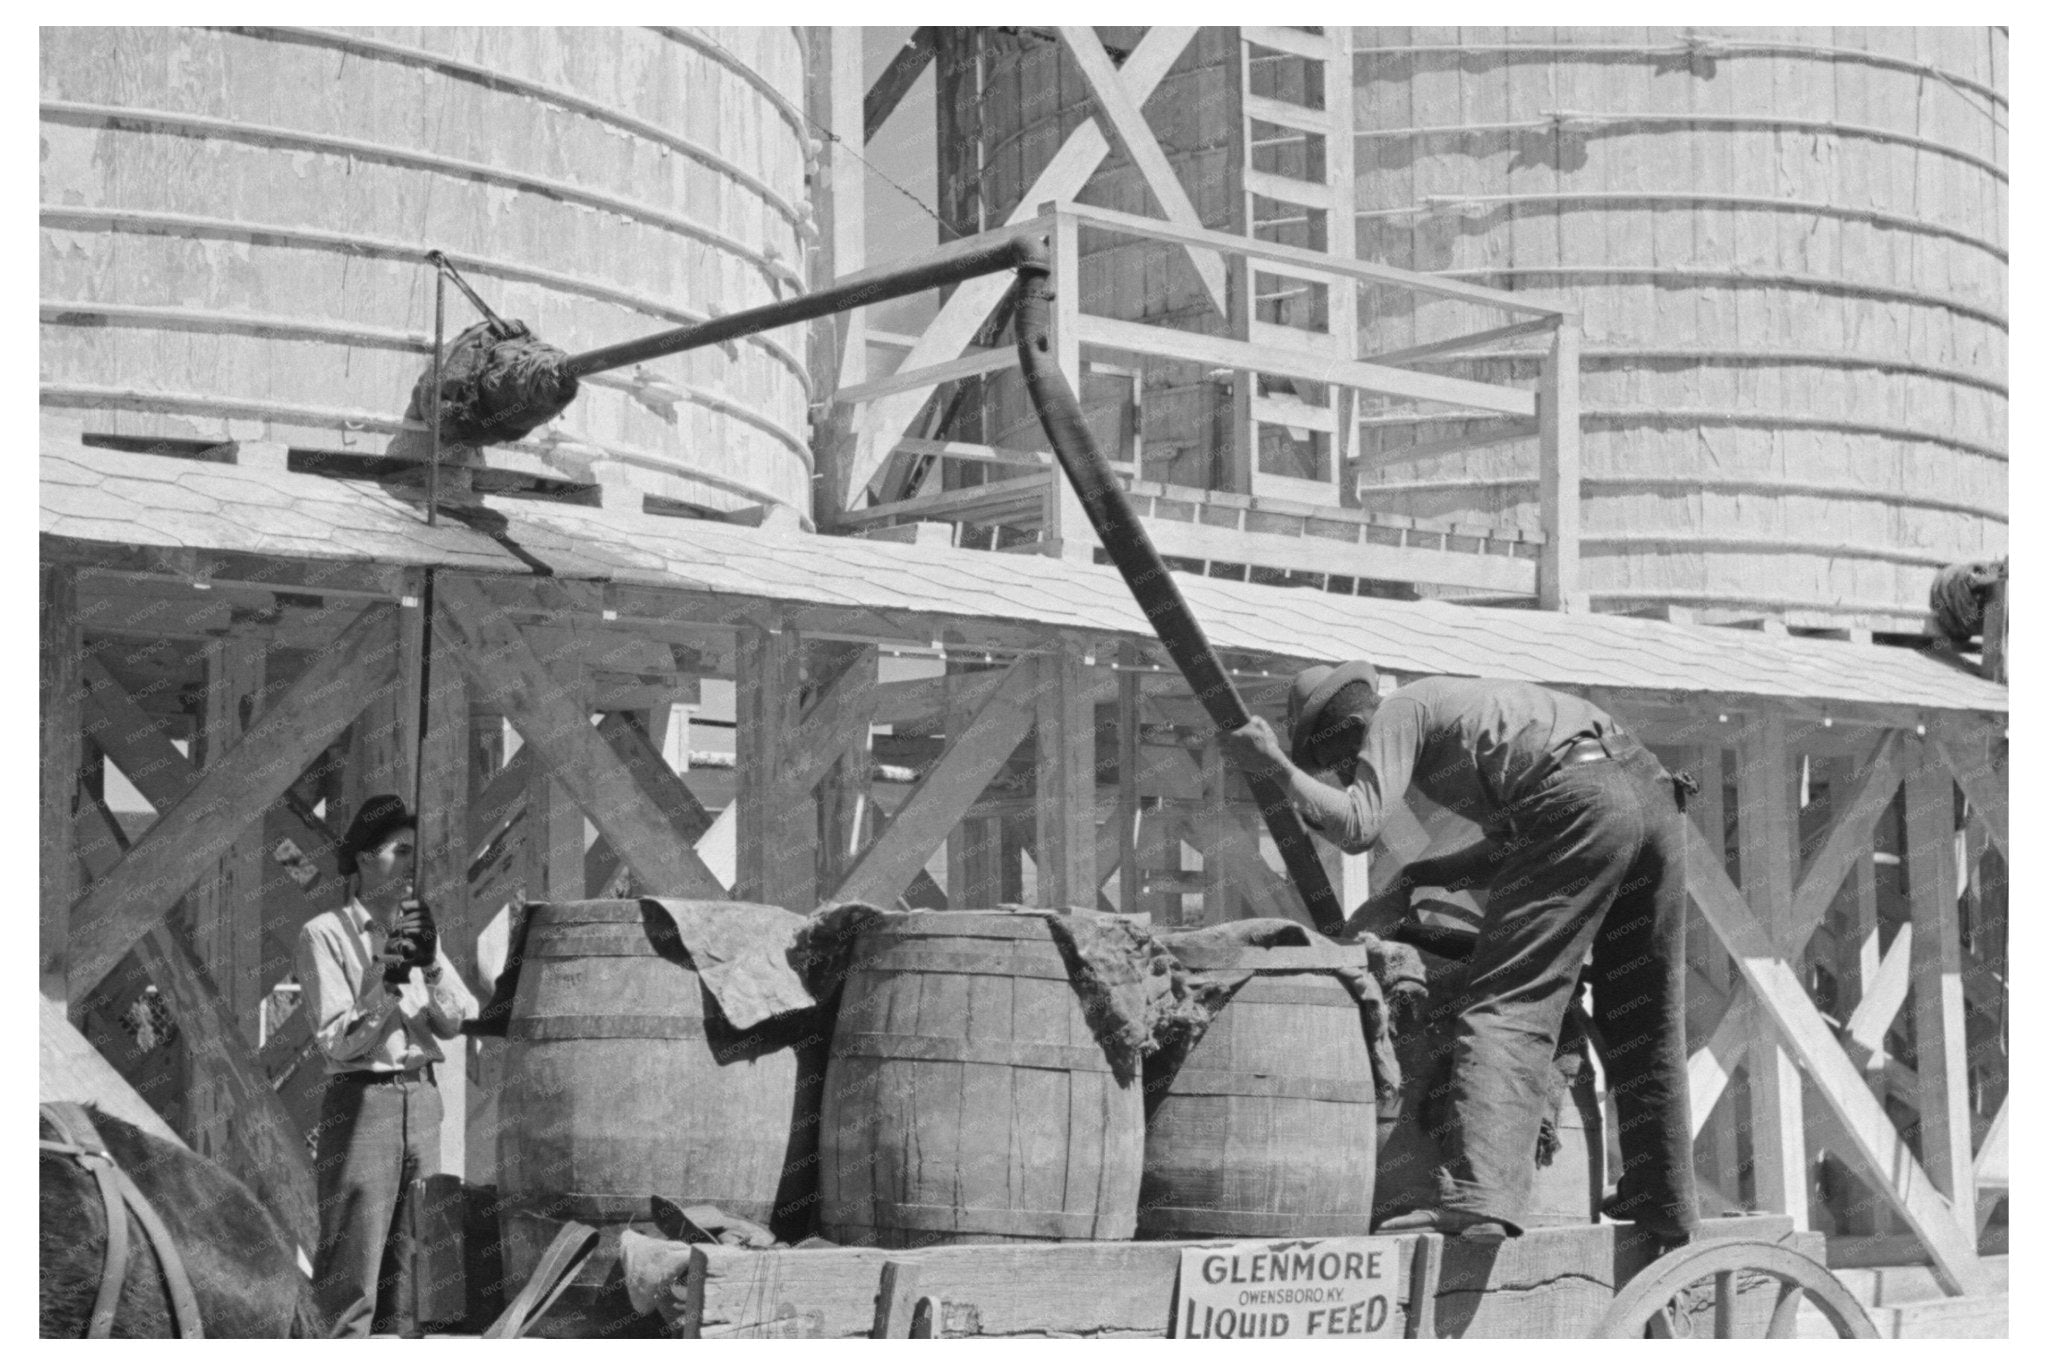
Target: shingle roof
{"points": [[110, 496]]}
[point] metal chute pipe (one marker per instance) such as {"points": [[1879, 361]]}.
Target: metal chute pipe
{"points": [[1130, 549], [1008, 253]]}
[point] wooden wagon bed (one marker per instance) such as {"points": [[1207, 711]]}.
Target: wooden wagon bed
{"points": [[1552, 1282]]}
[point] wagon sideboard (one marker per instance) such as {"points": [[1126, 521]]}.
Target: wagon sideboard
{"points": [[1553, 1282]]}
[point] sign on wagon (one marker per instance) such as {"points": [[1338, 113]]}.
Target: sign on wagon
{"points": [[1332, 1287]]}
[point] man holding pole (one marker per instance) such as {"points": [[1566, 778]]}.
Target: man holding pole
{"points": [[1584, 853]]}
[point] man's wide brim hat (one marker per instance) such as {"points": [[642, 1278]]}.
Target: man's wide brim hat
{"points": [[381, 817], [1312, 691]]}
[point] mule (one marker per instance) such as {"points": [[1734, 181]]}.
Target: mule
{"points": [[243, 1269]]}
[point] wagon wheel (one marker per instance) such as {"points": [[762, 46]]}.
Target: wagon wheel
{"points": [[1667, 1293]]}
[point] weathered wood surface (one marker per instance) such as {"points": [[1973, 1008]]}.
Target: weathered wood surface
{"points": [[966, 1095], [186, 840], [1553, 1282], [70, 1068], [60, 657]]}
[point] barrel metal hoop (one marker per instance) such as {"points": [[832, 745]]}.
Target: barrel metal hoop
{"points": [[1046, 967], [1192, 1081], [587, 1207], [899, 1047], [988, 1222], [562, 1028]]}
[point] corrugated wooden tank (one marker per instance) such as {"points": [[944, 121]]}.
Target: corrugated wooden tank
{"points": [[233, 222], [1788, 247]]}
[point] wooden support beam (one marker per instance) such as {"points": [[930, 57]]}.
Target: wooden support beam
{"points": [[1127, 121], [967, 307], [227, 905], [1713, 1065], [686, 815], [896, 79], [136, 743], [1765, 829], [1144, 339], [1884, 995], [1557, 423], [60, 658], [185, 840], [1125, 818], [441, 861], [504, 796], [970, 759], [1982, 776], [383, 740], [1854, 815], [1875, 1147], [1064, 787], [244, 1126], [506, 676], [835, 721], [777, 837], [1941, 1045]]}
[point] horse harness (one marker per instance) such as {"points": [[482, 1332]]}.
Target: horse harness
{"points": [[79, 1140]]}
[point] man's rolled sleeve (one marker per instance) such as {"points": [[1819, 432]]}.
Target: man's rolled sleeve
{"points": [[346, 1023], [1386, 763], [449, 1003]]}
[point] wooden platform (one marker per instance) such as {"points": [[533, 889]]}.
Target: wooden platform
{"points": [[1553, 1282]]}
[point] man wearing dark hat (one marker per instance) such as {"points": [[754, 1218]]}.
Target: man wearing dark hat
{"points": [[382, 996], [1584, 853]]}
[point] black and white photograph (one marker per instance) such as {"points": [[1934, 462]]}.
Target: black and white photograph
{"points": [[1023, 682]]}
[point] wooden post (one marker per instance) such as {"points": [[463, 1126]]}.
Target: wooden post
{"points": [[383, 741], [838, 343], [1129, 875], [1067, 534], [60, 657], [1557, 418], [1064, 848], [441, 876], [1941, 1052], [1218, 902], [227, 907], [777, 838], [1859, 953], [974, 847], [1765, 827]]}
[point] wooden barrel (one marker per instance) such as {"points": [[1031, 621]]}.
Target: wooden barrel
{"points": [[966, 1099], [1563, 1191], [1267, 1128], [622, 1082]]}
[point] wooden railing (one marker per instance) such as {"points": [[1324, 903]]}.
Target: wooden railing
{"points": [[881, 458]]}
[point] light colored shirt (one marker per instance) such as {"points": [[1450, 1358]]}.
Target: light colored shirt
{"points": [[1472, 745], [359, 1022]]}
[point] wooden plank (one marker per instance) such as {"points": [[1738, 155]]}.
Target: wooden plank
{"points": [[1469, 341], [137, 745], [1557, 423], [1983, 781], [896, 79], [1941, 1044], [1366, 559], [777, 836], [227, 906], [895, 1300], [1126, 816], [949, 787], [1244, 355], [1328, 263], [1713, 1065], [1875, 1147], [108, 919], [1064, 783], [1854, 816], [835, 721], [245, 1127], [930, 376], [70, 1068], [1978, 1317], [506, 676], [1314, 46], [1139, 144], [1765, 828], [60, 658], [664, 786], [967, 307], [1884, 995]]}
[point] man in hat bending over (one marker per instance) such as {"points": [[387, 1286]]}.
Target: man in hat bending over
{"points": [[1584, 852], [382, 995]]}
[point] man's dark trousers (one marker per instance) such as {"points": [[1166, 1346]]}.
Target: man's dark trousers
{"points": [[1594, 859], [375, 1140]]}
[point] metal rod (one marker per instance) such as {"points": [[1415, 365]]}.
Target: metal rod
{"points": [[434, 401], [985, 258], [447, 268], [1131, 550]]}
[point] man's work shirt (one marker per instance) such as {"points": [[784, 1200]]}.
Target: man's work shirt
{"points": [[358, 1023], [1472, 746]]}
